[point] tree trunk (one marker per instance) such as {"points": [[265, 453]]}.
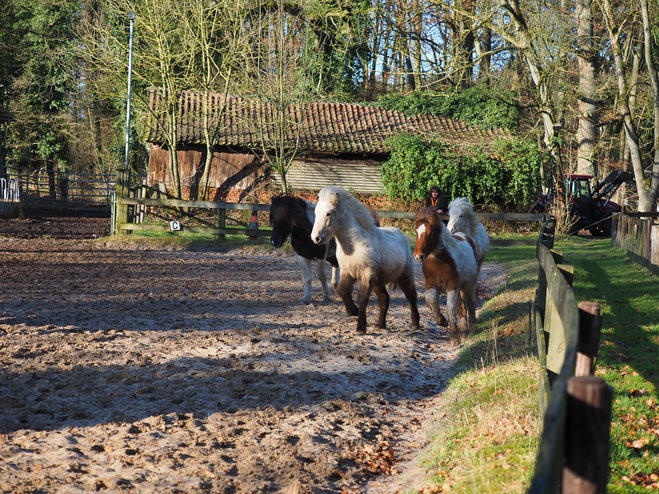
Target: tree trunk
{"points": [[588, 104], [650, 197], [647, 195]]}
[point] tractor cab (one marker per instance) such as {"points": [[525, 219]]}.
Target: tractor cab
{"points": [[590, 208], [593, 208]]}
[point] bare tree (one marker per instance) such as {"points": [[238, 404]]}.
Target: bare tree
{"points": [[647, 190], [159, 60], [214, 34], [277, 74], [587, 62]]}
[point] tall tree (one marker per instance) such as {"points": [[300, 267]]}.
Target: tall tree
{"points": [[161, 58], [278, 75], [214, 33], [587, 62], [650, 189], [647, 194], [41, 85]]}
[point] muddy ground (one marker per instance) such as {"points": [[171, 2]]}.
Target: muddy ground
{"points": [[132, 369]]}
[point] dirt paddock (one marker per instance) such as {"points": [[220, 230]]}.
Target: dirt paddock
{"points": [[129, 369]]}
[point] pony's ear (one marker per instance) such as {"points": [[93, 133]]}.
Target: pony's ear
{"points": [[334, 199]]}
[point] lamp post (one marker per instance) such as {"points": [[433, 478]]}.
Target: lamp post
{"points": [[131, 18]]}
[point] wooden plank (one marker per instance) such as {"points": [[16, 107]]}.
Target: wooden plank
{"points": [[654, 246], [564, 326], [549, 462], [544, 388], [643, 215], [208, 230], [179, 203], [614, 229]]}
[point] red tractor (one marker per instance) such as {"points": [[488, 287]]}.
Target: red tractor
{"points": [[590, 209]]}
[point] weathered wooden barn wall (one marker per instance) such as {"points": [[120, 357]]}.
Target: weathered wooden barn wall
{"points": [[315, 172], [229, 170]]}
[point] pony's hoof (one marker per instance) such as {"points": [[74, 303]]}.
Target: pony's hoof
{"points": [[455, 341], [361, 330], [442, 321], [305, 301]]}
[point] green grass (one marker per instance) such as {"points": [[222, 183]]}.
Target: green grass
{"points": [[629, 346], [190, 241], [488, 440]]}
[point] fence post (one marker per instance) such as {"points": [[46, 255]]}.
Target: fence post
{"points": [[615, 217], [221, 223], [122, 192], [654, 245], [590, 323], [587, 423]]}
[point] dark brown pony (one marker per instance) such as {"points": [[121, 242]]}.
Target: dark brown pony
{"points": [[449, 266]]}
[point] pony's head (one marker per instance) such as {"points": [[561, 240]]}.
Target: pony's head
{"points": [[335, 209], [429, 228], [461, 215], [286, 212]]}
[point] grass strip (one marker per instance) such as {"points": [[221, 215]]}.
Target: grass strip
{"points": [[628, 294], [488, 439]]}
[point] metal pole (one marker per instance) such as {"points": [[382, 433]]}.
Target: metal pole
{"points": [[131, 17]]}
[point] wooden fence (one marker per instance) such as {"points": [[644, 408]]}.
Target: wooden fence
{"points": [[638, 233], [576, 405], [65, 191], [130, 202]]}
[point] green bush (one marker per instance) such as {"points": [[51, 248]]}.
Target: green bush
{"points": [[506, 177], [477, 105]]}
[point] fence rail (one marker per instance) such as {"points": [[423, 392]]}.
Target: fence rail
{"points": [[638, 233], [576, 405], [64, 190], [125, 217], [9, 189]]}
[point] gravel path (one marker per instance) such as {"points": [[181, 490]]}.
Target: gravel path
{"points": [[152, 371]]}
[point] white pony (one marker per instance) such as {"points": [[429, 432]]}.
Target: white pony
{"points": [[462, 218], [374, 256]]}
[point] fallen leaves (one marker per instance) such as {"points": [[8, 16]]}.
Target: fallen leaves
{"points": [[647, 480], [374, 460]]}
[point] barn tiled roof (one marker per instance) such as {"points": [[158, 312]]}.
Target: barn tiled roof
{"points": [[5, 116], [325, 127]]}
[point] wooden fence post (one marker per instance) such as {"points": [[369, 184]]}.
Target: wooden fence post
{"points": [[615, 229], [590, 323], [654, 246], [122, 193], [221, 223], [587, 424]]}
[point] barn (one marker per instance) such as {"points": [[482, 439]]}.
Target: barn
{"points": [[338, 143]]}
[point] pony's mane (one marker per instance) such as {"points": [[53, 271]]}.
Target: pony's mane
{"points": [[286, 200], [428, 215], [342, 198]]}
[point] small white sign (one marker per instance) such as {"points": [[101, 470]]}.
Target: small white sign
{"points": [[175, 226]]}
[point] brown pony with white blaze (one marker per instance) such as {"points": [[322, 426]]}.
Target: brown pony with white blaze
{"points": [[449, 266]]}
